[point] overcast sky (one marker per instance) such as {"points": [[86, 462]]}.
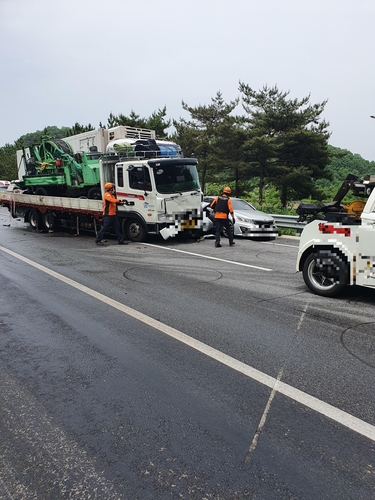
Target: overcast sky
{"points": [[73, 61]]}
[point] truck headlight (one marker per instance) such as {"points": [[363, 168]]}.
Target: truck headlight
{"points": [[165, 218]]}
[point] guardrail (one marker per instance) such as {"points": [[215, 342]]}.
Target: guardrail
{"points": [[289, 222]]}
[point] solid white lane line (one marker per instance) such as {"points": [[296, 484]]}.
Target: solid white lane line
{"points": [[208, 257], [345, 419]]}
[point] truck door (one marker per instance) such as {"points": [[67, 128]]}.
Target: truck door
{"points": [[133, 183], [139, 178]]}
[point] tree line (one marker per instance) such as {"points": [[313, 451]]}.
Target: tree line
{"points": [[273, 152]]}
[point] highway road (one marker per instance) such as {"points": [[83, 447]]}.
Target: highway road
{"points": [[177, 370]]}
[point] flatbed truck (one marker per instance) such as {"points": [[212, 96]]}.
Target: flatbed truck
{"points": [[161, 195]]}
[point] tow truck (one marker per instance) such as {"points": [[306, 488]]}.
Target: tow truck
{"points": [[337, 245]]}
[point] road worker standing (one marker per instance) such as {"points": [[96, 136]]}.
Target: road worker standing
{"points": [[222, 207], [110, 218]]}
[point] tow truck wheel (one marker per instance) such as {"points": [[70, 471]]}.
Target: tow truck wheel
{"points": [[135, 230], [35, 219], [49, 221], [324, 273]]}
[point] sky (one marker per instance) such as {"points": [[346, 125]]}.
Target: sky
{"points": [[72, 61]]}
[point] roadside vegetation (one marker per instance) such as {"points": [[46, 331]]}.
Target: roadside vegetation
{"points": [[272, 150]]}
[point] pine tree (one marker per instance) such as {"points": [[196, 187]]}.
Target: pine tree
{"points": [[204, 136], [287, 140]]}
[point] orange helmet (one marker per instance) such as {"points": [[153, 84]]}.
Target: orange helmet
{"points": [[227, 190], [108, 185]]}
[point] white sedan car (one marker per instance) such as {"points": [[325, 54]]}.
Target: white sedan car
{"points": [[249, 221]]}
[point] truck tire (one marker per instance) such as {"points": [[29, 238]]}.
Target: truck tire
{"points": [[94, 194], [35, 219], [41, 191], [324, 272], [49, 221], [135, 230]]}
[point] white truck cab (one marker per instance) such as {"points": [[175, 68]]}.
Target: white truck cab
{"points": [[163, 195]]}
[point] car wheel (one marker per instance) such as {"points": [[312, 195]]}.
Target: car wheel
{"points": [[324, 272]]}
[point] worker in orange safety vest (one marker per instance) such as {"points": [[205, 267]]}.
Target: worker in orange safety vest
{"points": [[110, 218], [222, 206]]}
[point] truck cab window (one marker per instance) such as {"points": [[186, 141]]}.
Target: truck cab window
{"points": [[139, 178], [179, 177], [120, 177]]}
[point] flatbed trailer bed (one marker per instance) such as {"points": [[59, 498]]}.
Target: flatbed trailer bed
{"points": [[47, 212]]}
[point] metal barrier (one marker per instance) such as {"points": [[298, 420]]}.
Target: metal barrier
{"points": [[289, 222]]}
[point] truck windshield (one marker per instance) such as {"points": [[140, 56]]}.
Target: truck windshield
{"points": [[176, 177]]}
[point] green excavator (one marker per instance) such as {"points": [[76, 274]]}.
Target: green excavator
{"points": [[53, 169]]}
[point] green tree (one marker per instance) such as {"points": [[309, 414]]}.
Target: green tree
{"points": [[8, 163], [157, 121], [343, 162], [77, 129], [204, 136], [31, 138], [288, 140], [230, 162], [260, 152]]}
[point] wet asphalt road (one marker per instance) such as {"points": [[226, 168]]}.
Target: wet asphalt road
{"points": [[102, 395]]}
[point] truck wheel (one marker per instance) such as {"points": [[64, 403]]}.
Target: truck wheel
{"points": [[41, 191], [49, 221], [94, 194], [324, 272], [35, 219], [135, 230]]}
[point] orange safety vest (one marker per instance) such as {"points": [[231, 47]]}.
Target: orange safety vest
{"points": [[110, 203], [224, 205]]}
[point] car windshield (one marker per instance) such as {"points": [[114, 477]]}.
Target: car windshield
{"points": [[176, 178], [242, 205]]}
